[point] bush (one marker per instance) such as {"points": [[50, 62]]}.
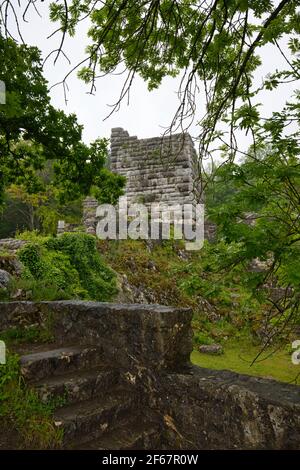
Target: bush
{"points": [[202, 338], [64, 268], [95, 277]]}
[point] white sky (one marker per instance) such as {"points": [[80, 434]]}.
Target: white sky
{"points": [[147, 112]]}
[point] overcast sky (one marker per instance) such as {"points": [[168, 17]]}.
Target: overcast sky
{"points": [[147, 112]]}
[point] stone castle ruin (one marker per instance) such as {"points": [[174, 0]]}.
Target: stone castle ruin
{"points": [[160, 169], [157, 169]]}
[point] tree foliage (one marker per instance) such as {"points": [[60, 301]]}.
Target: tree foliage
{"points": [[215, 43], [256, 206], [214, 46], [33, 132]]}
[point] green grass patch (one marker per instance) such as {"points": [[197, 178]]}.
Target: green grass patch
{"points": [[21, 409], [238, 357], [29, 334]]}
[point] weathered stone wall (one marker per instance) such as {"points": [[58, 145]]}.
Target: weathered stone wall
{"points": [[157, 169], [224, 410], [63, 227], [161, 170], [89, 220], [198, 408], [144, 334], [11, 244]]}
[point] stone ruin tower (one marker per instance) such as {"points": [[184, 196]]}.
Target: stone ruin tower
{"points": [[157, 170]]}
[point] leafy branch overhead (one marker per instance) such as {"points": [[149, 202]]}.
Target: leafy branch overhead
{"points": [[215, 43], [33, 132]]}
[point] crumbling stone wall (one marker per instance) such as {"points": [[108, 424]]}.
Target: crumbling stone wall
{"points": [[215, 409], [150, 344], [89, 219], [157, 169], [11, 244], [161, 170], [129, 334]]}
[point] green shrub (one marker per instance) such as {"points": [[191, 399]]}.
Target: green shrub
{"points": [[95, 277], [30, 256], [28, 334], [65, 267], [202, 338]]}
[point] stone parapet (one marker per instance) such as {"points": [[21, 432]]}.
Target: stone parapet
{"points": [[159, 168]]}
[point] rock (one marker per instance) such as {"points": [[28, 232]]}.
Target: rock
{"points": [[11, 244], [18, 294], [129, 293], [266, 333], [11, 264], [259, 266], [208, 309], [91, 231], [5, 279], [211, 349], [279, 293], [151, 244], [151, 265], [16, 267], [184, 255]]}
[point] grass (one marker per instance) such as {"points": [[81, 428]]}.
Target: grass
{"points": [[30, 334], [238, 357], [21, 409]]}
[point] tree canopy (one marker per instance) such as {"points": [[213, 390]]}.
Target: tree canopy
{"points": [[214, 46], [256, 206], [214, 43], [33, 132]]}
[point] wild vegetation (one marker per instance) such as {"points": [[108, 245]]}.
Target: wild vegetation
{"points": [[24, 418], [253, 194], [228, 309], [62, 268]]}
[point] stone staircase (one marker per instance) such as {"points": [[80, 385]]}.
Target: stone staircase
{"points": [[121, 378], [95, 406]]}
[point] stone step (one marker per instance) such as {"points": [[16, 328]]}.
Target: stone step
{"points": [[60, 361], [133, 435], [77, 386], [83, 422]]}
